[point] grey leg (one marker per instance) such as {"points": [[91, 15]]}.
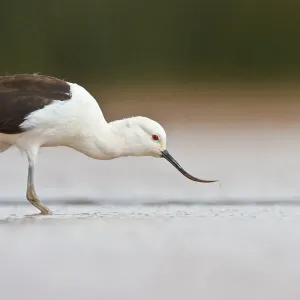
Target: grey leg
{"points": [[31, 194]]}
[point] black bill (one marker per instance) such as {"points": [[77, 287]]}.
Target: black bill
{"points": [[170, 159]]}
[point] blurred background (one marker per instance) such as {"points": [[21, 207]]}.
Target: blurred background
{"points": [[220, 76], [105, 41]]}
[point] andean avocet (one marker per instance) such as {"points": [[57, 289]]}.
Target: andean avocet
{"points": [[42, 111]]}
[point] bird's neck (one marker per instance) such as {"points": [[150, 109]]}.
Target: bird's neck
{"points": [[109, 141]]}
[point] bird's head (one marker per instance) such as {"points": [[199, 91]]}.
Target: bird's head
{"points": [[144, 137]]}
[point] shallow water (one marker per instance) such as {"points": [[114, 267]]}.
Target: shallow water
{"points": [[151, 252]]}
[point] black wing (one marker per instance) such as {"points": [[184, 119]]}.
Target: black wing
{"points": [[22, 94]]}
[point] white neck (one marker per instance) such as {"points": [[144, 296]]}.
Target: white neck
{"points": [[108, 141]]}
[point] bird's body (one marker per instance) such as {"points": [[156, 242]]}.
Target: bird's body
{"points": [[41, 111], [65, 122]]}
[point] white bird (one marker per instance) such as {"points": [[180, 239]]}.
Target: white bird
{"points": [[41, 111]]}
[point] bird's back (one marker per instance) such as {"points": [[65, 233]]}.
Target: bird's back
{"points": [[23, 94]]}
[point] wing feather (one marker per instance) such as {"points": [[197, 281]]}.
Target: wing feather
{"points": [[20, 95]]}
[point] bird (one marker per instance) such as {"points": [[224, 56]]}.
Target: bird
{"points": [[44, 111]]}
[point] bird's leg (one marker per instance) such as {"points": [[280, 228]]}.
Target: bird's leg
{"points": [[31, 194]]}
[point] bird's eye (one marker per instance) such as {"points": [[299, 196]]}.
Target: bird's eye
{"points": [[155, 137]]}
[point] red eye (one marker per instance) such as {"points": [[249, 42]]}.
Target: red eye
{"points": [[155, 137]]}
